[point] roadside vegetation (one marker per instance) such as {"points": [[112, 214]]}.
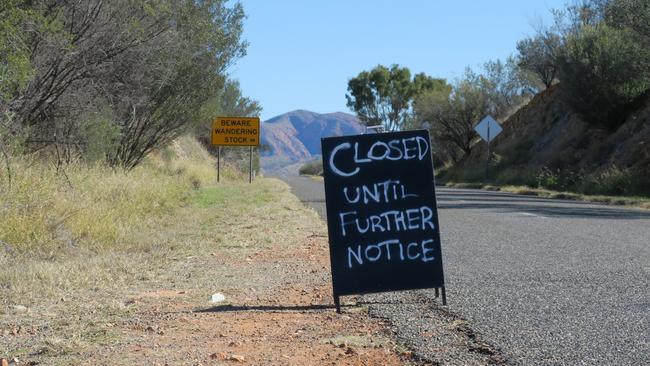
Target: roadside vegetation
{"points": [[314, 167], [94, 99], [119, 268], [49, 211], [583, 81], [104, 112], [632, 201], [109, 82], [71, 243]]}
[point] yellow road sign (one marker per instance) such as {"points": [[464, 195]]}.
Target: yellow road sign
{"points": [[236, 131]]}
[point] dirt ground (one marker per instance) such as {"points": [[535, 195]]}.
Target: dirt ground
{"points": [[291, 321], [274, 277]]}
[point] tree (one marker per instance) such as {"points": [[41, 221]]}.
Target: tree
{"points": [[182, 70], [539, 55], [152, 64], [384, 96], [230, 101], [451, 117], [599, 50], [508, 86]]}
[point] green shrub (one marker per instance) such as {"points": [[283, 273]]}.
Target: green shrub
{"points": [[314, 167], [559, 179], [616, 181], [516, 176], [602, 69]]}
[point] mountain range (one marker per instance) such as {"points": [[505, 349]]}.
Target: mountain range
{"points": [[293, 138]]}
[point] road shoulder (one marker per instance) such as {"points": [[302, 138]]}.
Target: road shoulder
{"points": [[264, 253]]}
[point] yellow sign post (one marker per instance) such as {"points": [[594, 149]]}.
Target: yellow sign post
{"points": [[236, 131]]}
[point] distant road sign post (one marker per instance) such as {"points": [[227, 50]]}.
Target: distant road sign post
{"points": [[488, 129], [236, 131], [382, 216]]}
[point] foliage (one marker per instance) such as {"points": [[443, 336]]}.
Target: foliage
{"points": [[507, 85], [452, 118], [539, 55], [608, 181], [384, 96], [15, 69], [599, 53], [598, 49], [314, 167], [630, 14], [229, 101], [153, 64], [602, 70]]}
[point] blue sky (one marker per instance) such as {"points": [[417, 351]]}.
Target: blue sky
{"points": [[302, 53]]}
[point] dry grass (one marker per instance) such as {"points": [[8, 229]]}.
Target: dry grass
{"points": [[73, 254], [47, 212]]}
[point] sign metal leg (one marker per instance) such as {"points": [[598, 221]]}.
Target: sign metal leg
{"points": [[444, 296], [337, 303], [218, 163], [250, 165], [487, 161]]}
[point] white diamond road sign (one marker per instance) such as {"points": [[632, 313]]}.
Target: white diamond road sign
{"points": [[488, 128]]}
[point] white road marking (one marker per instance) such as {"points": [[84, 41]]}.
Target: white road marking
{"points": [[532, 215]]}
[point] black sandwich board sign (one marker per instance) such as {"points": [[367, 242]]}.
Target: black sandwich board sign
{"points": [[382, 215]]}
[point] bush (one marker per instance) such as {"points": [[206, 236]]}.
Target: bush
{"points": [[558, 179], [603, 69], [515, 176], [314, 167], [616, 181]]}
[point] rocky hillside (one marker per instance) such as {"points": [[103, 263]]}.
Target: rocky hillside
{"points": [[546, 141], [293, 138]]}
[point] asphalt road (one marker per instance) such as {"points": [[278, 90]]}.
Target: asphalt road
{"points": [[530, 281]]}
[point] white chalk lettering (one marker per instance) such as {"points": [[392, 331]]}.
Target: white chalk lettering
{"points": [[400, 222], [372, 155], [387, 244], [408, 251], [345, 145], [375, 221], [411, 219], [394, 147], [369, 194], [359, 255], [382, 192], [407, 148], [347, 198], [426, 251], [356, 155], [426, 219], [404, 149], [373, 258]]}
